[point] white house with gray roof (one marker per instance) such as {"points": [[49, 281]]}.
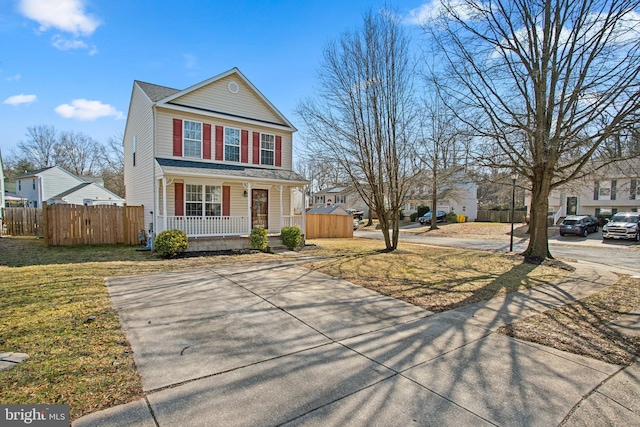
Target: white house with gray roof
{"points": [[214, 160], [56, 185]]}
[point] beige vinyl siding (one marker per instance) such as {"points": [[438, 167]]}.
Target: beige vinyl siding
{"points": [[139, 180], [164, 136], [217, 97]]}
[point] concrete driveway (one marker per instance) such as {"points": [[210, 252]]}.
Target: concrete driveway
{"points": [[266, 345]]}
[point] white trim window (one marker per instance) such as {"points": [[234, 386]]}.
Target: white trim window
{"points": [[197, 205], [340, 198], [267, 149], [193, 200], [192, 139], [212, 200], [231, 144]]}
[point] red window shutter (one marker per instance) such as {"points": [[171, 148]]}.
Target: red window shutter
{"points": [[278, 151], [179, 198], [226, 200], [177, 137], [219, 143], [256, 148], [244, 146], [206, 142]]}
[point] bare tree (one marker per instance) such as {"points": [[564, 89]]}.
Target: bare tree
{"points": [[362, 115], [545, 82], [78, 153], [441, 152], [111, 161], [40, 146]]}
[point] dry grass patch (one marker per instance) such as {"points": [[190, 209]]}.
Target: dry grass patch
{"points": [[49, 298], [434, 278], [582, 327]]}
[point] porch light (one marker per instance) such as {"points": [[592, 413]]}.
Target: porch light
{"points": [[244, 194]]}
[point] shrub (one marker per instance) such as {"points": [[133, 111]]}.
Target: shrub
{"points": [[452, 217], [414, 217], [170, 243], [259, 239], [423, 209], [291, 237], [401, 214]]}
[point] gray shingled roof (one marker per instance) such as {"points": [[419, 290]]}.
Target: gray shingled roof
{"points": [[155, 92], [333, 209], [33, 172], [177, 167], [71, 190]]}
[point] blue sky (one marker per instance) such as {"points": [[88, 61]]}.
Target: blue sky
{"points": [[72, 63]]}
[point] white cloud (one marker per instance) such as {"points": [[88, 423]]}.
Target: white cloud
{"points": [[20, 99], [65, 15], [84, 109], [436, 9], [15, 78], [64, 44]]}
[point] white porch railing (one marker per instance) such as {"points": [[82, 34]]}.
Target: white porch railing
{"points": [[292, 221], [557, 215], [196, 226]]}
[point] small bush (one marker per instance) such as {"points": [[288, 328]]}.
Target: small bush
{"points": [[402, 214], [452, 217], [414, 217], [170, 243], [291, 237], [259, 239], [423, 209]]}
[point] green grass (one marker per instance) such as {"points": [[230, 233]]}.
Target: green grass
{"points": [[47, 298]]}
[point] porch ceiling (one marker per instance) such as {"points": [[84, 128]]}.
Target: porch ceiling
{"points": [[220, 170]]}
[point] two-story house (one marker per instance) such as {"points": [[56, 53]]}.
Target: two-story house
{"points": [[610, 189], [56, 185], [213, 160], [459, 194]]}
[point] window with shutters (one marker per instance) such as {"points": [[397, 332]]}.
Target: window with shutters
{"points": [[192, 139], [231, 144], [340, 199], [203, 203], [267, 149]]}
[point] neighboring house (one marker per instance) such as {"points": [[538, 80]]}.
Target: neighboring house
{"points": [[613, 188], [327, 210], [347, 197], [53, 185], [461, 197], [214, 159]]}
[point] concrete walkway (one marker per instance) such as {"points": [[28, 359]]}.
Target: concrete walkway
{"points": [[282, 345]]}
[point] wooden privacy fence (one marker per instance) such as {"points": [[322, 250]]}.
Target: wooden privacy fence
{"points": [[500, 216], [71, 225], [22, 221], [331, 226]]}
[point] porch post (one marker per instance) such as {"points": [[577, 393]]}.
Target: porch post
{"points": [[156, 209], [248, 187], [281, 187], [304, 211], [164, 203]]}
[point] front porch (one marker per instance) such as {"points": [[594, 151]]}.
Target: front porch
{"points": [[222, 226]]}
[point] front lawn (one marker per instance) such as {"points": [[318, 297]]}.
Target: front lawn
{"points": [[434, 278], [54, 306]]}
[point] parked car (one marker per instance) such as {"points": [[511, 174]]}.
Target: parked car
{"points": [[580, 225], [426, 218], [356, 214], [623, 225], [356, 224]]}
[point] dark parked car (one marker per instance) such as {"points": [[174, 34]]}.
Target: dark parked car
{"points": [[580, 225], [426, 218]]}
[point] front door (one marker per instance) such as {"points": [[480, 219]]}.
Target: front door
{"points": [[572, 205], [260, 208]]}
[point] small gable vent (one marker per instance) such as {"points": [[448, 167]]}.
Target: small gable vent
{"points": [[233, 87]]}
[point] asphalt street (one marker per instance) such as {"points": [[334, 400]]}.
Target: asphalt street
{"points": [[617, 253]]}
